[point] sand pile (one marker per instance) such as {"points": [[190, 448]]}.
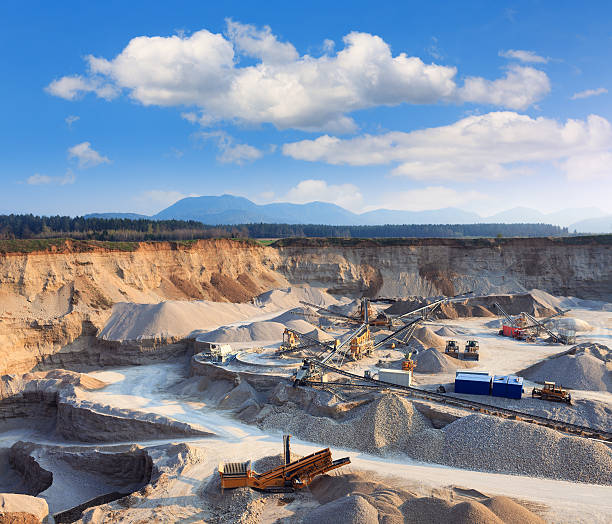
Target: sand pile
{"points": [[505, 446], [393, 504], [351, 509], [64, 377], [589, 368], [570, 324], [446, 332], [257, 331], [432, 361], [429, 339], [291, 297], [177, 319]]}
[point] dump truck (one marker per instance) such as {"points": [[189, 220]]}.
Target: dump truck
{"points": [[471, 350], [452, 348], [551, 391], [286, 478]]}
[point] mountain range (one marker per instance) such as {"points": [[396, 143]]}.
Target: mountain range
{"points": [[230, 210]]}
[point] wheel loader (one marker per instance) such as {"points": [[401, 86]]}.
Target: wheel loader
{"points": [[471, 350], [452, 348], [551, 391]]}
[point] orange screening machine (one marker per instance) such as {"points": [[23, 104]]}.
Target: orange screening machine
{"points": [[285, 478]]}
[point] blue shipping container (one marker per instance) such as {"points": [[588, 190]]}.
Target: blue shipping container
{"points": [[514, 387], [500, 386], [473, 383]]}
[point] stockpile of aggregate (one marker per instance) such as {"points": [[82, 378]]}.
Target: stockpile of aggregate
{"points": [[446, 332], [429, 339], [372, 428], [266, 330], [353, 509], [506, 446], [432, 361], [587, 367]]}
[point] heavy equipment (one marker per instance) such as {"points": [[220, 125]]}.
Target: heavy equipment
{"points": [[551, 391], [452, 348], [291, 340], [286, 478], [408, 364], [471, 350]]}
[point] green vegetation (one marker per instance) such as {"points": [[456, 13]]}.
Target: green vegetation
{"points": [[128, 230]]}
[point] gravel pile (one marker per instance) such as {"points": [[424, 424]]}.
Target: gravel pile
{"points": [[587, 369], [353, 509], [446, 332], [383, 425], [429, 339], [432, 361], [505, 446]]}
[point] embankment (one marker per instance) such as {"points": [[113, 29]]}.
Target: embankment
{"points": [[56, 302]]}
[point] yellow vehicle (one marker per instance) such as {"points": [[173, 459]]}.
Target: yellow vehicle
{"points": [[551, 391], [285, 478], [291, 340]]}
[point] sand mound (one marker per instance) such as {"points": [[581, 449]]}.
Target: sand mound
{"points": [[297, 313], [570, 324], [446, 332], [257, 331], [510, 511], [291, 297], [353, 509], [432, 361], [429, 339], [472, 512], [582, 370], [67, 377]]}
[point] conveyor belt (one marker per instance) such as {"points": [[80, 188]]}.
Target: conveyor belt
{"points": [[566, 427]]}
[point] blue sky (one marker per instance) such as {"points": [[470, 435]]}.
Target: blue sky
{"points": [[114, 106]]}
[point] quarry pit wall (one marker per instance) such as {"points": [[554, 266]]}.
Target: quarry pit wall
{"points": [[56, 301]]}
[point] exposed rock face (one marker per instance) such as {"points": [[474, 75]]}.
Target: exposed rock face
{"points": [[579, 267], [36, 479], [22, 509], [55, 303]]}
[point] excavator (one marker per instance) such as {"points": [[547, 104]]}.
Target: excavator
{"points": [[286, 478]]}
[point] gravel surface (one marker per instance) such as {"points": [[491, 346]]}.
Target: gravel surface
{"points": [[505, 446], [588, 369]]}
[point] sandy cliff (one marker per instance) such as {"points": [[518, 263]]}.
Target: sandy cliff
{"points": [[53, 304]]}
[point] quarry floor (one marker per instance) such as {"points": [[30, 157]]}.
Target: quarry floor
{"points": [[158, 389]]}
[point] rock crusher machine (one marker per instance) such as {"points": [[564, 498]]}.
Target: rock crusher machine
{"points": [[285, 478]]}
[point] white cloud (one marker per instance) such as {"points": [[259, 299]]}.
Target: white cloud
{"points": [[524, 56], [284, 88], [589, 92], [492, 145], [517, 90], [344, 195], [71, 119], [39, 180], [589, 167], [86, 156], [72, 87], [229, 151], [163, 198]]}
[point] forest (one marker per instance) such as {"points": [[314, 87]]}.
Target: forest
{"points": [[124, 230]]}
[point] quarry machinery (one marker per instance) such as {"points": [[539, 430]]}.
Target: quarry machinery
{"points": [[561, 338], [452, 348], [551, 391], [286, 478], [471, 350], [295, 341]]}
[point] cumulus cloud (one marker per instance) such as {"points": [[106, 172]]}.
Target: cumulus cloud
{"points": [[86, 156], [72, 87], [39, 180], [516, 90], [229, 151], [492, 145], [524, 56], [289, 90], [589, 92], [344, 195]]}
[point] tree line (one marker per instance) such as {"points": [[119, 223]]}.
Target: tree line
{"points": [[125, 229]]}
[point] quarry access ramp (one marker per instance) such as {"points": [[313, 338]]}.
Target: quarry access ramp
{"points": [[440, 398]]}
